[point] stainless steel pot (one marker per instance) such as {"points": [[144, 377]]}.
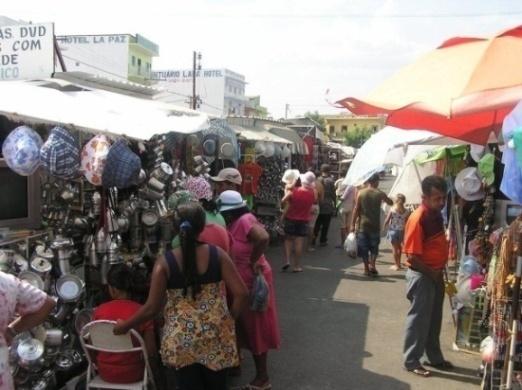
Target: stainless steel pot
{"points": [[30, 354], [32, 278], [149, 217], [69, 288], [163, 172], [43, 268], [54, 337]]}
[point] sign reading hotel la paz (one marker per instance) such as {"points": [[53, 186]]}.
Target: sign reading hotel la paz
{"points": [[26, 51]]}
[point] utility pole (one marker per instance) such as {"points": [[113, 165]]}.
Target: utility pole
{"points": [[194, 100]]}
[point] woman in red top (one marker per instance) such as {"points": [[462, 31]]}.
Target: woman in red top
{"points": [[124, 368], [300, 200]]}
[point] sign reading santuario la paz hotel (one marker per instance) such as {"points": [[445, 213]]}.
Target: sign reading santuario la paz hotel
{"points": [[26, 51]]}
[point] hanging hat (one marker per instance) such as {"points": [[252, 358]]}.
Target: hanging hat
{"points": [[260, 148], [122, 167], [469, 184], [227, 150], [269, 149], [286, 152], [199, 187], [476, 152], [290, 176], [93, 157], [60, 154], [209, 147], [486, 167], [21, 150], [230, 200]]}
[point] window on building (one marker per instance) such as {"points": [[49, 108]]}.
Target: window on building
{"points": [[331, 129], [133, 61], [139, 65], [344, 129]]}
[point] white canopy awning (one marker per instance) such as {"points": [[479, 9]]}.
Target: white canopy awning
{"points": [[388, 146], [63, 103], [258, 135]]}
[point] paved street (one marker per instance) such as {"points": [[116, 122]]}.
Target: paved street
{"points": [[341, 330]]}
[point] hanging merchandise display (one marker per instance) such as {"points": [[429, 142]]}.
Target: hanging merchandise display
{"points": [[93, 158], [250, 172], [21, 150], [101, 204], [60, 154]]}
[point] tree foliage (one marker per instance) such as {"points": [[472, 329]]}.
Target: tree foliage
{"points": [[314, 115], [357, 137]]}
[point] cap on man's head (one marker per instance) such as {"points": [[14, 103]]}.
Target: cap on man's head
{"points": [[229, 174]]}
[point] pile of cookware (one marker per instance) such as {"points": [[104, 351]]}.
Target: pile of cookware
{"points": [[38, 358]]}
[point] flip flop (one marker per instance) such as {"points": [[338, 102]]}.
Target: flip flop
{"points": [[420, 371], [285, 267], [297, 270]]}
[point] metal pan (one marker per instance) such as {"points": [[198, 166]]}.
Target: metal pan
{"points": [[69, 288], [32, 278]]}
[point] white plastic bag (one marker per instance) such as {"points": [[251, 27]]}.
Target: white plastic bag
{"points": [[260, 294], [350, 245]]}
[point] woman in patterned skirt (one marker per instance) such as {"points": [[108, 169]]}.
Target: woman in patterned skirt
{"points": [[199, 338]]}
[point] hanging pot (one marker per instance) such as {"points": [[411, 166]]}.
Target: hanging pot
{"points": [[149, 217], [69, 288], [156, 185], [101, 241], [43, 268], [113, 253], [123, 224], [161, 208], [163, 172]]}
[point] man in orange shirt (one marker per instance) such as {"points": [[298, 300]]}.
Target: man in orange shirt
{"points": [[426, 247]]}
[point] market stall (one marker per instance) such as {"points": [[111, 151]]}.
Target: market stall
{"points": [[87, 178]]}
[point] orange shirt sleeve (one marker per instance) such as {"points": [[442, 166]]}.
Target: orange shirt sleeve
{"points": [[413, 236]]}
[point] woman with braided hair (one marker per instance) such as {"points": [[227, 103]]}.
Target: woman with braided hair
{"points": [[199, 339]]}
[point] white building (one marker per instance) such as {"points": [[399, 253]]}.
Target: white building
{"points": [[117, 56], [221, 92]]}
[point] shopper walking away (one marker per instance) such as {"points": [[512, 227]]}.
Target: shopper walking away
{"points": [[126, 286], [309, 180], [18, 298], [347, 195], [199, 339], [258, 330], [395, 222], [366, 221], [326, 205], [426, 246], [300, 200]]}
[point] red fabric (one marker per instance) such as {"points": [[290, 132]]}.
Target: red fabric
{"points": [[300, 204], [474, 127], [216, 235], [120, 368], [458, 41], [250, 172]]}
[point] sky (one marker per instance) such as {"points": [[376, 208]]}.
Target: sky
{"points": [[304, 53]]}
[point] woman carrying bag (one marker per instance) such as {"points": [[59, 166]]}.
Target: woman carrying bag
{"points": [[258, 329]]}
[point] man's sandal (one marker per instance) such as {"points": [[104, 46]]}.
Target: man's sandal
{"points": [[420, 371]]}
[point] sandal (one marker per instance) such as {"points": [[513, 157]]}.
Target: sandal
{"points": [[444, 365], [285, 267], [297, 270], [420, 371]]}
